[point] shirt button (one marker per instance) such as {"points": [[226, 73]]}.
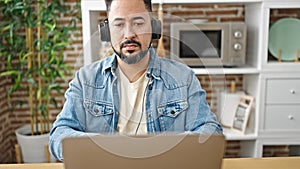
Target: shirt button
{"points": [[96, 110], [149, 115], [173, 112]]}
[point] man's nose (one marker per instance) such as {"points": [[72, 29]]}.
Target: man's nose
{"points": [[129, 32]]}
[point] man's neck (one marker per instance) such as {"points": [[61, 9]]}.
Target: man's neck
{"points": [[134, 71]]}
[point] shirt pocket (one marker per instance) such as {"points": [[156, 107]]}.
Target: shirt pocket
{"points": [[171, 116], [98, 109], [172, 109]]}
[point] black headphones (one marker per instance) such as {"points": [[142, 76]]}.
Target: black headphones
{"points": [[105, 34]]}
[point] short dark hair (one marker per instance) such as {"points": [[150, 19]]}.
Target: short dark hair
{"points": [[147, 3]]}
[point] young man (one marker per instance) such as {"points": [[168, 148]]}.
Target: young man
{"points": [[132, 92]]}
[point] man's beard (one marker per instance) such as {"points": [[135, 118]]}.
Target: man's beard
{"points": [[133, 58]]}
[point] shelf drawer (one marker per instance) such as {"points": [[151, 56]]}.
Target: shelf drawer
{"points": [[282, 117], [283, 91]]}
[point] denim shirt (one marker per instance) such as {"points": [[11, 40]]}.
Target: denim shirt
{"points": [[175, 102]]}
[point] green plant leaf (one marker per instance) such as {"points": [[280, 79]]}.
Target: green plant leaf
{"points": [[54, 102], [11, 33], [18, 79], [6, 28], [50, 26], [22, 59], [9, 58], [7, 73]]}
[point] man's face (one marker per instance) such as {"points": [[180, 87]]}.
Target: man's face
{"points": [[130, 29]]}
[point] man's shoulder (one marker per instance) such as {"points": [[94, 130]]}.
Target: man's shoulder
{"points": [[175, 73], [103, 63], [96, 67], [174, 67]]}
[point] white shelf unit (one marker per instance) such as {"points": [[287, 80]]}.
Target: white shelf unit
{"points": [[267, 6], [279, 112], [216, 71], [255, 74], [234, 135]]}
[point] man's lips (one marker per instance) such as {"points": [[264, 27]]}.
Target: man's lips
{"points": [[130, 46]]}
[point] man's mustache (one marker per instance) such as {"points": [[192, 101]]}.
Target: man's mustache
{"points": [[130, 42]]}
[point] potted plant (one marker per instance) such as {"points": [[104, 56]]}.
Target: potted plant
{"points": [[32, 45]]}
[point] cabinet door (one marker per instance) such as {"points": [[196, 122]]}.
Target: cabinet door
{"points": [[283, 91], [282, 117]]}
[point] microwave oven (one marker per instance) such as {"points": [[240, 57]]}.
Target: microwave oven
{"points": [[209, 44]]}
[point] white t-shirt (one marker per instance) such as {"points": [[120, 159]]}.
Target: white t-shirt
{"points": [[132, 118]]}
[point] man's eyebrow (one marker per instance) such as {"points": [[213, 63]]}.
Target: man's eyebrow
{"points": [[119, 19], [138, 17], [134, 18]]}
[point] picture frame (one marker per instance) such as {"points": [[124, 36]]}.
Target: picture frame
{"points": [[242, 113]]}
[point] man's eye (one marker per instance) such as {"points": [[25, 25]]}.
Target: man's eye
{"points": [[139, 23], [118, 24]]}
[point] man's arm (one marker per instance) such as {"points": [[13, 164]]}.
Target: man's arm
{"points": [[70, 121], [200, 119]]}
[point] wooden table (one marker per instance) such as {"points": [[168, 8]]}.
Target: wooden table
{"points": [[229, 163], [262, 163]]}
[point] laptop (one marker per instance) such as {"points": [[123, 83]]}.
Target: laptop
{"points": [[167, 151]]}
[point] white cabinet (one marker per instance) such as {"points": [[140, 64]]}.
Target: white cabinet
{"points": [[282, 117], [275, 85], [283, 91], [279, 116], [279, 112], [282, 104]]}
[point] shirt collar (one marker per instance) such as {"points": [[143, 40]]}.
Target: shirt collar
{"points": [[154, 65], [110, 65]]}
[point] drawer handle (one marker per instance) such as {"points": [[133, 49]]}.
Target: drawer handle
{"points": [[291, 117], [293, 91]]}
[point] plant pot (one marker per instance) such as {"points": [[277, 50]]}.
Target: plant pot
{"points": [[32, 147]]}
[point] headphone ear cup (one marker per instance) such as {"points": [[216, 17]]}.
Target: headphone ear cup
{"points": [[156, 28], [104, 31]]}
